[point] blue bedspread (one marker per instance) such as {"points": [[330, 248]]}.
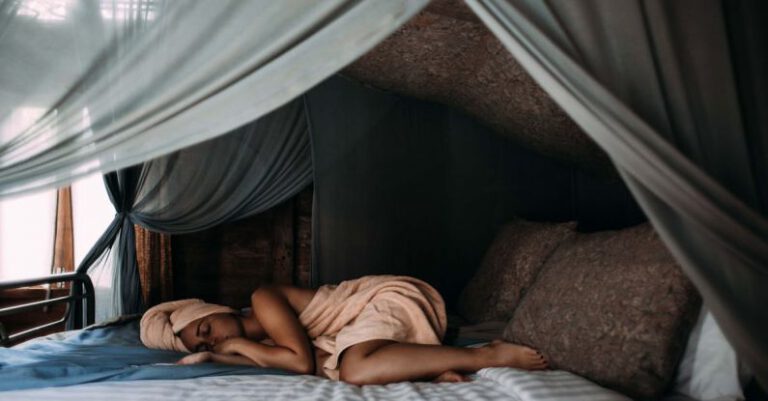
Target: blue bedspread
{"points": [[105, 353]]}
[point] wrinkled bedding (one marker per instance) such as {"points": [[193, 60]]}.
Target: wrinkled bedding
{"points": [[111, 352], [487, 384]]}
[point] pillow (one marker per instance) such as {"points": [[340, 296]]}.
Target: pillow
{"points": [[613, 307], [709, 370], [509, 267]]}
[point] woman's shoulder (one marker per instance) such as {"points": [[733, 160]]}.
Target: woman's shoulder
{"points": [[298, 298]]}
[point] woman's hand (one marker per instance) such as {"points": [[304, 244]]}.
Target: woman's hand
{"points": [[197, 357]]}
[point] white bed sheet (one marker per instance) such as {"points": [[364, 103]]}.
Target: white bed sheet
{"points": [[488, 384]]}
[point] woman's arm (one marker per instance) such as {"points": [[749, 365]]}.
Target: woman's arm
{"points": [[292, 349], [263, 355], [207, 356]]}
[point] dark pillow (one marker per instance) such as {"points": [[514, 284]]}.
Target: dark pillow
{"points": [[613, 307], [510, 266]]}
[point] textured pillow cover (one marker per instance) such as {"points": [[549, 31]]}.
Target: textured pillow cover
{"points": [[613, 307], [509, 267]]}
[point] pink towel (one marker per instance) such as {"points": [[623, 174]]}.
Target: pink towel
{"points": [[397, 308], [161, 323]]}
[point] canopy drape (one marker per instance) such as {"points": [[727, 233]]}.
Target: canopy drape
{"points": [[675, 92], [101, 85], [236, 175]]}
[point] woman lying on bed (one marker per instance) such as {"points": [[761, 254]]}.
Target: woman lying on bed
{"points": [[373, 330]]}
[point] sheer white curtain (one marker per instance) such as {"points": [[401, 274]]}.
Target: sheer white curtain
{"points": [[156, 76]]}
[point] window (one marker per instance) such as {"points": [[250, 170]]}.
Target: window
{"points": [[27, 225], [128, 10], [91, 211], [44, 10], [52, 231], [115, 10]]}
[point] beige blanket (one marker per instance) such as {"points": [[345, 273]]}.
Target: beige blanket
{"points": [[397, 308]]}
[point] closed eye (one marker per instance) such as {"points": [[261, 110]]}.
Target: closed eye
{"points": [[203, 329]]}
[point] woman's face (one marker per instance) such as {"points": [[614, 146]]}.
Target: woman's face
{"points": [[205, 333]]}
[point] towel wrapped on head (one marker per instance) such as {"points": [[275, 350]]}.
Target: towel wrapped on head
{"points": [[161, 323]]}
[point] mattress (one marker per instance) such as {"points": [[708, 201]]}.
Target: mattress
{"points": [[487, 384]]}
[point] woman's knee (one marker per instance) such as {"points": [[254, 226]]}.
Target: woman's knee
{"points": [[354, 369], [355, 365]]}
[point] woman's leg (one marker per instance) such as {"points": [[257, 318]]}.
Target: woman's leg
{"points": [[384, 361]]}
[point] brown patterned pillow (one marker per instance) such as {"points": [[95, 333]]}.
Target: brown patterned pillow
{"points": [[510, 266], [613, 307]]}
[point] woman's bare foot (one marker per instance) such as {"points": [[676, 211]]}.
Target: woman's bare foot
{"points": [[505, 354], [451, 376]]}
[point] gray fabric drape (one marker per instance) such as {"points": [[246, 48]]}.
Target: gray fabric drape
{"points": [[96, 85], [673, 92], [236, 175], [242, 173]]}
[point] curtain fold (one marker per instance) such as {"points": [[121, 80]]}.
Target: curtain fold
{"points": [[119, 83], [242, 173], [247, 171], [671, 91]]}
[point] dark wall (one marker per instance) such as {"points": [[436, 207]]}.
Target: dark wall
{"points": [[404, 186]]}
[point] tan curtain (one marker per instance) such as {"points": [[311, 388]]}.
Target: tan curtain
{"points": [[153, 256], [64, 248]]}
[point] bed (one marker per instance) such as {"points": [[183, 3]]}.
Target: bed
{"points": [[108, 362]]}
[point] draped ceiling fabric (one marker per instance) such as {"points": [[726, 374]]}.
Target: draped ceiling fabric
{"points": [[101, 84], [676, 93], [236, 175]]}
